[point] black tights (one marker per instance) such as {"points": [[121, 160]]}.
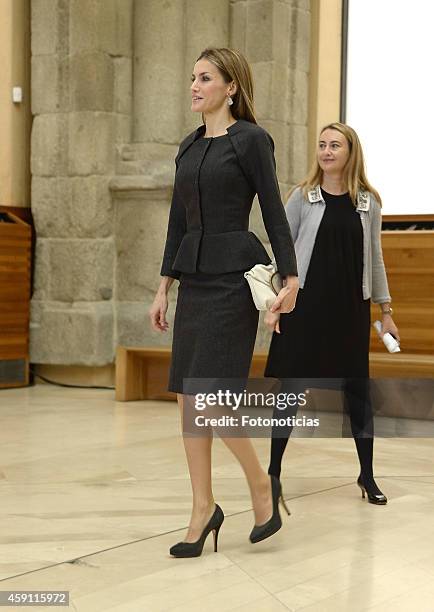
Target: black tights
{"points": [[358, 406]]}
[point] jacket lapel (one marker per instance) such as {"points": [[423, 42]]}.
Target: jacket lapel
{"points": [[187, 142]]}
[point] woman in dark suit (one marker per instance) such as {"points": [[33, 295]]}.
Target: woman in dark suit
{"points": [[219, 169]]}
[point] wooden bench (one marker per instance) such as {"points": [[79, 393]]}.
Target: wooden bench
{"points": [[142, 373]]}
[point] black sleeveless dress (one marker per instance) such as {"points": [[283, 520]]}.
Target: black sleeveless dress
{"points": [[327, 335]]}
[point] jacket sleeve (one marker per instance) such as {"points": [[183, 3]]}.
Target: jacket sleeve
{"points": [[380, 288], [293, 212], [175, 233], [260, 166]]}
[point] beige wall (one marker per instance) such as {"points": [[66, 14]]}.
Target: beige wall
{"points": [[15, 119], [325, 71]]}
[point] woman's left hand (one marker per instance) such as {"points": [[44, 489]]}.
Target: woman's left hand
{"points": [[271, 320], [285, 300], [387, 325]]}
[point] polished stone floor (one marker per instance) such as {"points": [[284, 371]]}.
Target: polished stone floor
{"points": [[93, 493]]}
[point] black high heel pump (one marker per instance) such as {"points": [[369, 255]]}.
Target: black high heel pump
{"points": [[194, 549], [373, 498], [261, 532]]}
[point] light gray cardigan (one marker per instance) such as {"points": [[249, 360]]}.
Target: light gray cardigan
{"points": [[304, 217]]}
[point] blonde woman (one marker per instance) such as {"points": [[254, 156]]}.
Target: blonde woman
{"points": [[335, 221], [220, 168]]}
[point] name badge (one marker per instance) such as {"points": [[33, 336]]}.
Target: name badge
{"points": [[363, 201], [315, 195]]}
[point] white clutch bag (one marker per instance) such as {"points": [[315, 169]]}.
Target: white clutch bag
{"points": [[265, 283]]}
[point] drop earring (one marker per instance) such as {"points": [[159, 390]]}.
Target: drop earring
{"points": [[230, 101]]}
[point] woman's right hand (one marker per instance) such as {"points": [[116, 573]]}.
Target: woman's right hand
{"points": [[157, 313]]}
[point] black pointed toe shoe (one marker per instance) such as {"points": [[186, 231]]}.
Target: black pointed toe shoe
{"points": [[261, 532], [194, 549], [374, 497]]}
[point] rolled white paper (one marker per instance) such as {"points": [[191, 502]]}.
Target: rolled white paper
{"points": [[390, 342]]}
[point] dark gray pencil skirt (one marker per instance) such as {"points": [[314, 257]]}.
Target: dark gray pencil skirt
{"points": [[214, 331]]}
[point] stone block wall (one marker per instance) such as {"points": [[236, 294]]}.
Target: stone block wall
{"points": [[81, 103], [111, 102], [275, 37]]}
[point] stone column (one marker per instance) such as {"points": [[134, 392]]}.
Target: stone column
{"points": [[275, 37], [168, 38], [81, 102], [158, 70], [206, 25], [103, 159]]}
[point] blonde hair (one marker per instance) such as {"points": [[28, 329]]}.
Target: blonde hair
{"points": [[234, 67], [354, 171]]}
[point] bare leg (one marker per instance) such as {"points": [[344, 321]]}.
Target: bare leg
{"points": [[198, 452], [257, 479]]}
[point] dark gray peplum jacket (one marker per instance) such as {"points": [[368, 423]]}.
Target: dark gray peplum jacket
{"points": [[218, 241]]}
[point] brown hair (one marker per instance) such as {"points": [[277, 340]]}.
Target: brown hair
{"points": [[354, 171], [234, 67]]}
